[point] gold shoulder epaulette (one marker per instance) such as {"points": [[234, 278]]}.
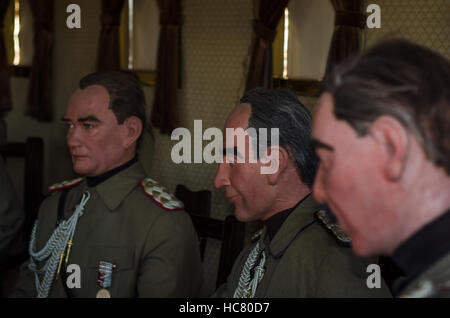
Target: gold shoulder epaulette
{"points": [[159, 194], [65, 184], [328, 221]]}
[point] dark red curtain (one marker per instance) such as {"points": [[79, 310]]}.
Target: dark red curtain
{"points": [[349, 21], [40, 90], [5, 88], [108, 56], [165, 113], [267, 16]]}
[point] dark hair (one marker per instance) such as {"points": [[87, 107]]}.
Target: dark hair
{"points": [[282, 109], [400, 79], [125, 92]]}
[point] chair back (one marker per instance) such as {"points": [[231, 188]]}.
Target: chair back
{"points": [[230, 231]]}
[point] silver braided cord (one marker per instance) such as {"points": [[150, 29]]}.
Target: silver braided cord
{"points": [[53, 249], [247, 287]]}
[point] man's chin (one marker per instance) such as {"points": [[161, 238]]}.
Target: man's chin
{"points": [[81, 170], [362, 248], [240, 216], [243, 215]]}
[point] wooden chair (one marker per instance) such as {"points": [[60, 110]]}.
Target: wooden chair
{"points": [[32, 153], [230, 231], [195, 203]]}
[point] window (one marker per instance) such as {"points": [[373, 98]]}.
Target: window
{"points": [[139, 33], [302, 43], [18, 33]]}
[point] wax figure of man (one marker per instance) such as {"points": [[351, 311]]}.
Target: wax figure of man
{"points": [[381, 132], [294, 255], [129, 237]]}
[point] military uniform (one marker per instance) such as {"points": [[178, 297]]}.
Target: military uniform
{"points": [[424, 261], [303, 260], [131, 223], [435, 282]]}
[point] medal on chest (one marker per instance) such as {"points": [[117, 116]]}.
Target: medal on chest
{"points": [[104, 278]]}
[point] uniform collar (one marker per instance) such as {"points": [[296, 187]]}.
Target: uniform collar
{"points": [[423, 249], [114, 189], [298, 220], [94, 181], [274, 223]]}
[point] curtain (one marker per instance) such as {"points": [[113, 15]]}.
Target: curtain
{"points": [[40, 94], [349, 21], [267, 16], [5, 88], [108, 56], [165, 113]]}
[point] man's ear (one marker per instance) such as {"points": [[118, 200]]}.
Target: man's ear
{"points": [[274, 163], [133, 129], [393, 139]]}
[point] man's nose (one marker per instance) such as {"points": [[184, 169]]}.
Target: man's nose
{"points": [[72, 136], [221, 178]]}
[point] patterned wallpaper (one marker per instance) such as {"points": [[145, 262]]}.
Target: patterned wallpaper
{"points": [[426, 22]]}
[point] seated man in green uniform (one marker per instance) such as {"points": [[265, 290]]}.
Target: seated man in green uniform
{"points": [[382, 130], [126, 234], [294, 255]]}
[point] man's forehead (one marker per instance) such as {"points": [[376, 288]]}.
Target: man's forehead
{"points": [[327, 129], [239, 116], [92, 99], [323, 119]]}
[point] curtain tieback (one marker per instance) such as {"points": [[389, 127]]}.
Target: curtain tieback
{"points": [[350, 18], [109, 19], [263, 32]]}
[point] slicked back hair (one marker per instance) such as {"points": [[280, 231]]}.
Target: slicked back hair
{"points": [[280, 108], [126, 96], [400, 79]]}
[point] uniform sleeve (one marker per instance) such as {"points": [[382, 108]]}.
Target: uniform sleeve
{"points": [[11, 214], [343, 274], [171, 266]]}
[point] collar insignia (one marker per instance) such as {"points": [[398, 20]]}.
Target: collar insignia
{"points": [[159, 194], [65, 184], [327, 220]]}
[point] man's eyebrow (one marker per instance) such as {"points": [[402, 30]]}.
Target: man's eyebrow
{"points": [[89, 118], [318, 144], [233, 151], [83, 119]]}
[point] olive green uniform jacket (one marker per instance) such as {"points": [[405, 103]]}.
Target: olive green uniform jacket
{"points": [[434, 282], [304, 260], [155, 249]]}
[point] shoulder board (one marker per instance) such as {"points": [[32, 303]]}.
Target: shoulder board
{"points": [[428, 289], [423, 289], [159, 194], [327, 220], [65, 184], [257, 235]]}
